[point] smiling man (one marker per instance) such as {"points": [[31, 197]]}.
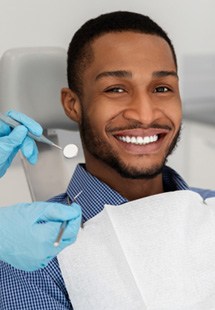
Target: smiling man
{"points": [[124, 94], [129, 110]]}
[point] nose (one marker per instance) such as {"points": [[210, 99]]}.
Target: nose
{"points": [[141, 108]]}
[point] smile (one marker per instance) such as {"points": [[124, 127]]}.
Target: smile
{"points": [[141, 141], [138, 140]]}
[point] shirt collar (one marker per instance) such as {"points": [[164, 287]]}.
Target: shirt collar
{"points": [[172, 181], [95, 194]]}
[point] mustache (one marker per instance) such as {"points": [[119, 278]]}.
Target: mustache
{"points": [[137, 125]]}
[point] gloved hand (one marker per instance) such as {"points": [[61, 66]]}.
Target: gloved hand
{"points": [[28, 244], [11, 141]]}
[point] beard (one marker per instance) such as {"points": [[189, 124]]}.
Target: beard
{"points": [[102, 151]]}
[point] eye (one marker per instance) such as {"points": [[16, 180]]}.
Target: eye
{"points": [[161, 89], [115, 90]]}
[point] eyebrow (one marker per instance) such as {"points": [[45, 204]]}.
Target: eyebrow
{"points": [[118, 73], [164, 74], [128, 74]]}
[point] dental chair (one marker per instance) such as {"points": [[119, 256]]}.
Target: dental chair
{"points": [[30, 82]]}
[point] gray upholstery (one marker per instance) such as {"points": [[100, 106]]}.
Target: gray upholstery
{"points": [[30, 82]]}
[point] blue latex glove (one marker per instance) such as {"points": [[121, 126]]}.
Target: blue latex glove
{"points": [[25, 242], [13, 140]]}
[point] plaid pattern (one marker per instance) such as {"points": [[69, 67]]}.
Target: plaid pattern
{"points": [[45, 289]]}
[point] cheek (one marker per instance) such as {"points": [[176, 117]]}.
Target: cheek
{"points": [[174, 113], [101, 115], [177, 115], [96, 119]]}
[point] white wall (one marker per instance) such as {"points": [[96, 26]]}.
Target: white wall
{"points": [[190, 23]]}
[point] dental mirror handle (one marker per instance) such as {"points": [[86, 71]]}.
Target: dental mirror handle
{"points": [[12, 123]]}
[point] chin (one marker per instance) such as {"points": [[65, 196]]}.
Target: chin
{"points": [[129, 172]]}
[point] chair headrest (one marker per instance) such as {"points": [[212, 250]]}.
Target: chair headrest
{"points": [[30, 82]]}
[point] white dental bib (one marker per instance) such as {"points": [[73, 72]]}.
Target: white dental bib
{"points": [[155, 253]]}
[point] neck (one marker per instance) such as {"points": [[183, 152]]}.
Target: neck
{"points": [[131, 189]]}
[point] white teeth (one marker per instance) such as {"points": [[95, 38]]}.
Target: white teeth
{"points": [[138, 140]]}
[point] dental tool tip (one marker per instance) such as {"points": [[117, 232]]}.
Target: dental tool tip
{"points": [[57, 146]]}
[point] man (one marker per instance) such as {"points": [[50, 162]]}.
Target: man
{"points": [[123, 92]]}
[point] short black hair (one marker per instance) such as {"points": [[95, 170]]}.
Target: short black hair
{"points": [[80, 53]]}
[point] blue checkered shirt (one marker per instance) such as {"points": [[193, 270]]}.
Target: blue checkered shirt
{"points": [[44, 288]]}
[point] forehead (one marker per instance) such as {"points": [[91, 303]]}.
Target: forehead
{"points": [[119, 50]]}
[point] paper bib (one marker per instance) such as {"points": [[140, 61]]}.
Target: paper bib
{"points": [[154, 253]]}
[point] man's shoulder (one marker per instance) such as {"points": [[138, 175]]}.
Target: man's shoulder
{"points": [[205, 193]]}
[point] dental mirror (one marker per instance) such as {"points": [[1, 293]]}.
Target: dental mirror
{"points": [[70, 151]]}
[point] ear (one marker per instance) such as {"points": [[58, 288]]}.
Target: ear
{"points": [[71, 104]]}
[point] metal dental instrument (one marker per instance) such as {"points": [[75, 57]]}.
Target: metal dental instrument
{"points": [[64, 225], [12, 123]]}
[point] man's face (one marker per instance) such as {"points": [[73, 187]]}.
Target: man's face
{"points": [[131, 107]]}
